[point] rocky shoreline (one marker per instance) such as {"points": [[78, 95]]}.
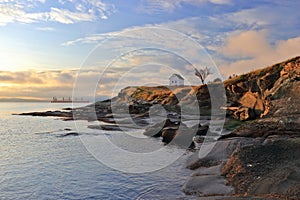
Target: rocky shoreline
{"points": [[248, 168], [258, 159]]}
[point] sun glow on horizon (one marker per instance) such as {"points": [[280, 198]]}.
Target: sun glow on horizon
{"points": [[6, 84]]}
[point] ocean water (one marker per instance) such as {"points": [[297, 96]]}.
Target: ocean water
{"points": [[37, 163]]}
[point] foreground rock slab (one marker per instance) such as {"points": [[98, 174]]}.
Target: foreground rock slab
{"points": [[207, 185], [247, 168], [207, 179], [271, 168]]}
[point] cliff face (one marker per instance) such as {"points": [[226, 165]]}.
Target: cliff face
{"points": [[256, 91], [249, 96], [260, 158]]}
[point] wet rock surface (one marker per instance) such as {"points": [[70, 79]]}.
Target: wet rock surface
{"points": [[176, 132], [271, 168], [49, 114], [69, 134], [207, 180], [247, 168], [105, 127]]}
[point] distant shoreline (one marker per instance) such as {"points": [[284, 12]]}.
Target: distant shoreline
{"points": [[22, 101]]}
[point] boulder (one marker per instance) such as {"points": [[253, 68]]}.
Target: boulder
{"points": [[168, 134], [156, 129], [179, 134], [201, 130], [254, 102], [249, 100]]}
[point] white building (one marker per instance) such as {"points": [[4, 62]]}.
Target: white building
{"points": [[176, 80]]}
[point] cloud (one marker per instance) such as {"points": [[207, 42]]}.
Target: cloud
{"points": [[221, 2], [211, 31], [249, 50], [45, 28], [185, 26], [30, 11], [246, 44], [154, 6], [143, 67], [92, 39], [15, 13], [39, 79], [145, 38], [4, 78], [280, 18], [68, 17], [95, 8], [35, 84], [238, 41], [44, 85]]}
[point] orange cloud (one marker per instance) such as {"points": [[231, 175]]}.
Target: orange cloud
{"points": [[249, 50], [245, 44], [34, 84]]}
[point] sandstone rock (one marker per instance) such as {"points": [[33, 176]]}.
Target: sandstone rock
{"points": [[254, 102], [264, 128], [260, 107], [255, 90], [249, 100], [244, 113]]}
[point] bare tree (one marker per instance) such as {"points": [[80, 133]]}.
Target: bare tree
{"points": [[202, 73]]}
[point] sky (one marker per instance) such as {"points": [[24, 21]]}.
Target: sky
{"points": [[93, 47]]}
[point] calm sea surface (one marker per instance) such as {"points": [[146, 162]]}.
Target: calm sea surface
{"points": [[37, 163]]}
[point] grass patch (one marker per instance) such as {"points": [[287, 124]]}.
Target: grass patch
{"points": [[231, 124]]}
